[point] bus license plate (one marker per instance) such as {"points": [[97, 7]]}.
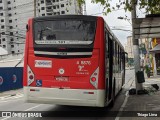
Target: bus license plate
{"points": [[65, 79]]}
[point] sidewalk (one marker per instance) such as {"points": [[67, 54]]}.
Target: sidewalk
{"points": [[147, 103]]}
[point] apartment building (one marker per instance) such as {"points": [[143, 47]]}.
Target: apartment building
{"points": [[58, 7], [15, 14], [129, 47]]}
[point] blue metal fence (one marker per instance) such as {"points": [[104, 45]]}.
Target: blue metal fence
{"points": [[11, 78]]}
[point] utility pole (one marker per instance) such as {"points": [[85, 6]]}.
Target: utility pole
{"points": [[34, 8], [135, 46]]}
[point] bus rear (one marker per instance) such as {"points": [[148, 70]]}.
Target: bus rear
{"points": [[64, 63]]}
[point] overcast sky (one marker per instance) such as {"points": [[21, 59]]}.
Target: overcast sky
{"points": [[111, 19]]}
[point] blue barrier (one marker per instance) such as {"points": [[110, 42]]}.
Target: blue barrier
{"points": [[11, 78]]}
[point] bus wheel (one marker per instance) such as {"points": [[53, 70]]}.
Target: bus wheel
{"points": [[113, 95]]}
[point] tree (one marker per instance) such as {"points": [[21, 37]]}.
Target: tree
{"points": [[150, 6]]}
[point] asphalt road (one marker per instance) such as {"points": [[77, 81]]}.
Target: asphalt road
{"points": [[16, 103]]}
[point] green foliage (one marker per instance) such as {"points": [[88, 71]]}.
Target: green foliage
{"points": [[151, 6]]}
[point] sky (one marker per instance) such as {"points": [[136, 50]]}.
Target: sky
{"points": [[112, 21]]}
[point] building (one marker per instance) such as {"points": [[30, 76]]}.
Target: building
{"points": [[129, 47], [129, 50], [57, 7], [2, 52], [15, 14], [155, 51]]}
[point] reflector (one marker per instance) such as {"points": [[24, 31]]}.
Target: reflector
{"points": [[93, 79]]}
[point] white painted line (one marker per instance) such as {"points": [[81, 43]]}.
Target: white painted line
{"points": [[8, 96], [123, 105], [5, 96], [9, 101], [11, 97], [33, 107]]}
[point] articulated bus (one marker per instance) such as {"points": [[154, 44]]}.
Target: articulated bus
{"points": [[72, 60]]}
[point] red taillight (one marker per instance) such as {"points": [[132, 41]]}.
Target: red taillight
{"points": [[90, 92], [31, 77], [93, 79]]}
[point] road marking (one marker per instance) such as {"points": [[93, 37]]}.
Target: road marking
{"points": [[8, 101], [33, 107], [10, 97], [5, 97], [123, 105]]}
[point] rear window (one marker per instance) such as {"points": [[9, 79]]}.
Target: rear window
{"points": [[63, 32]]}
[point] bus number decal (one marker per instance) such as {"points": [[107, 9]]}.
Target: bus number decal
{"points": [[84, 62]]}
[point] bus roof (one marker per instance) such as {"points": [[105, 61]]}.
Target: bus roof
{"points": [[84, 17]]}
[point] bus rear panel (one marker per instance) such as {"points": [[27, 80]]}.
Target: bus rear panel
{"points": [[62, 61]]}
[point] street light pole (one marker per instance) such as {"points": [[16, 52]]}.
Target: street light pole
{"points": [[125, 19], [135, 46]]}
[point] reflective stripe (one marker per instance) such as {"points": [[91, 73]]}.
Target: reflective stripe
{"points": [[95, 75], [62, 53], [30, 72]]}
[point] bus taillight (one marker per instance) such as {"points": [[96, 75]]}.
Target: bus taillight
{"points": [[94, 78]]}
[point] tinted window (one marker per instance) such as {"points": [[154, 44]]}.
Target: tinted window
{"points": [[64, 32]]}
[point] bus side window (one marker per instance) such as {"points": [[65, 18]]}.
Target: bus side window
{"points": [[106, 39], [120, 58]]}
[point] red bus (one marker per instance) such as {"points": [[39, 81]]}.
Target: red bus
{"points": [[72, 60]]}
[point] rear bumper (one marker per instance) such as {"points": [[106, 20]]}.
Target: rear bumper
{"points": [[76, 97]]}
